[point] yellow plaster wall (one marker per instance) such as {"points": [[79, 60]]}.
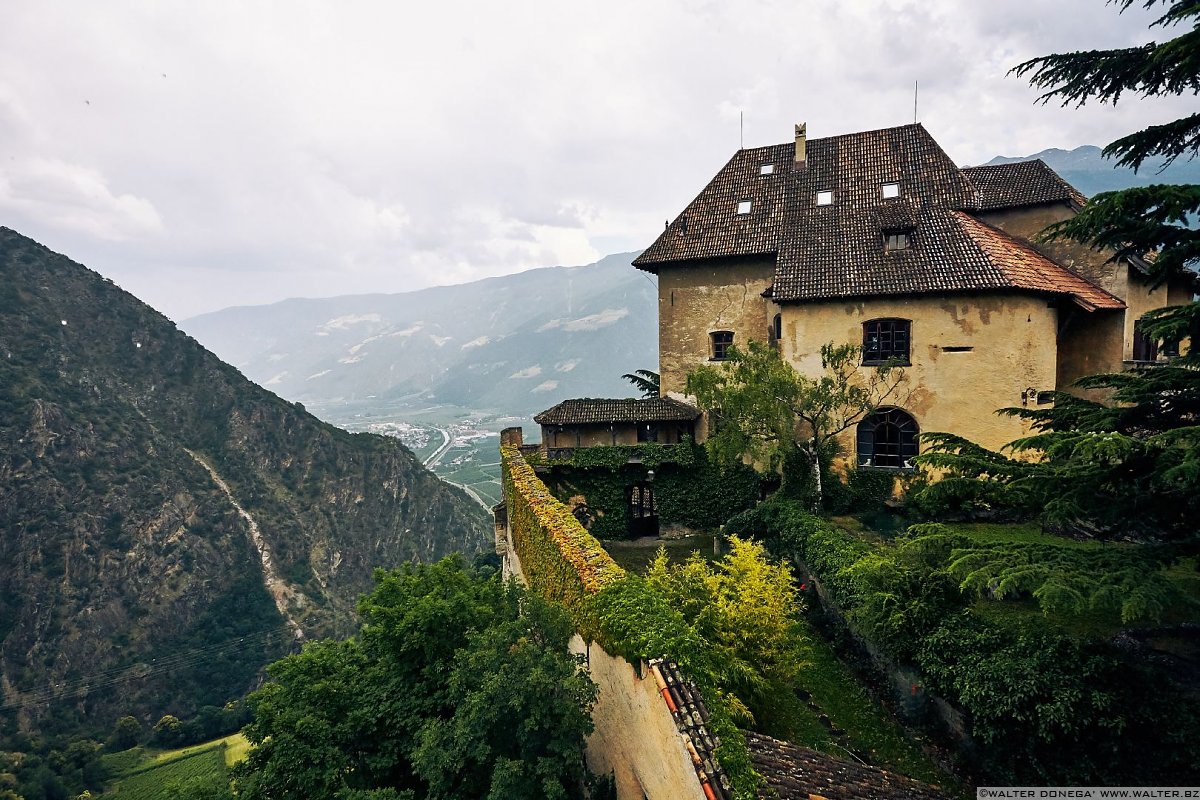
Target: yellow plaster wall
{"points": [[695, 300], [1014, 343], [635, 738]]}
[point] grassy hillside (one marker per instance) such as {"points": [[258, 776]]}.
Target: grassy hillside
{"points": [[141, 774]]}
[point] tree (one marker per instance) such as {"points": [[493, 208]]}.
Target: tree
{"points": [[645, 381], [1131, 464], [126, 734], [1152, 219], [744, 609], [760, 406], [456, 686]]}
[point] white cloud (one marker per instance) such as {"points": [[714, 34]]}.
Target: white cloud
{"points": [[546, 386], [222, 153], [528, 372]]}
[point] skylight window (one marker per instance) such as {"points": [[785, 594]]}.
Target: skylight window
{"points": [[743, 206], [824, 198], [891, 190], [766, 169]]}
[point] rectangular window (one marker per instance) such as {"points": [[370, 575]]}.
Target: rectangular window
{"points": [[744, 206], [766, 169], [1144, 348], [886, 340], [890, 190], [824, 198], [895, 241], [721, 342]]}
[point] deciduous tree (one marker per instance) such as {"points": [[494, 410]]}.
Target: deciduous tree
{"points": [[762, 407]]}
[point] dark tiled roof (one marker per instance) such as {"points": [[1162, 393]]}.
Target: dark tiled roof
{"points": [[1023, 183], [791, 771], [837, 250], [590, 411], [853, 167]]}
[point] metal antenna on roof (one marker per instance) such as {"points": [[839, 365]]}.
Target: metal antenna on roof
{"points": [[914, 102], [741, 130]]}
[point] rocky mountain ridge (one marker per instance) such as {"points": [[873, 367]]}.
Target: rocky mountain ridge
{"points": [[134, 469]]}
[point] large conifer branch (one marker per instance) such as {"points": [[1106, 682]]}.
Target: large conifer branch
{"points": [[1178, 139]]}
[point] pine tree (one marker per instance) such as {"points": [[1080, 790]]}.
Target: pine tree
{"points": [[1130, 465], [1150, 221]]}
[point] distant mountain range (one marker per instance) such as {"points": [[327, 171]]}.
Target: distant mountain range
{"points": [[166, 526], [516, 344], [1089, 172]]}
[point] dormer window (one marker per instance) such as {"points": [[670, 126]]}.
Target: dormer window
{"points": [[890, 190], [896, 241], [743, 207], [766, 169], [824, 198]]}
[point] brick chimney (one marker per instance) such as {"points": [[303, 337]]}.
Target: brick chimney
{"points": [[801, 145]]}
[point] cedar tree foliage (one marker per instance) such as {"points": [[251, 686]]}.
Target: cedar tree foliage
{"points": [[1131, 465], [645, 381], [761, 407]]}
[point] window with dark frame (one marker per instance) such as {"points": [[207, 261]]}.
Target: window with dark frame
{"points": [[1144, 348], [721, 342], [886, 340], [777, 327], [887, 440], [895, 241]]}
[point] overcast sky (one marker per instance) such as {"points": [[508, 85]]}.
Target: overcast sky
{"points": [[218, 153]]}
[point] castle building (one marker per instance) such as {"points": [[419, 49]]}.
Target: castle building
{"points": [[879, 239]]}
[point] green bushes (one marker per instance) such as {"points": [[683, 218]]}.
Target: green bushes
{"points": [[1044, 707]]}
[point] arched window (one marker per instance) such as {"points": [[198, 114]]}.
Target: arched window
{"points": [[888, 439], [721, 341], [886, 340], [777, 327]]}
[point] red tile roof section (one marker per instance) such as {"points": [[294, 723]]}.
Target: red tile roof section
{"points": [[1026, 268]]}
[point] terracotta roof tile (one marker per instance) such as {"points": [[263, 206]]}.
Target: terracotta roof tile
{"points": [[791, 771], [1026, 268], [595, 411], [1022, 183]]}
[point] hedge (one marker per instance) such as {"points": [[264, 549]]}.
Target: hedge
{"points": [[1046, 708]]}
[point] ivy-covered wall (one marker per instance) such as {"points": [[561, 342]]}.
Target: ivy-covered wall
{"points": [[690, 490], [565, 564]]}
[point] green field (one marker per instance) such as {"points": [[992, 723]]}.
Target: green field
{"points": [[145, 774]]}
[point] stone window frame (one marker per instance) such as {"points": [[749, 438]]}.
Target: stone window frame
{"points": [[880, 342], [721, 342], [899, 430]]}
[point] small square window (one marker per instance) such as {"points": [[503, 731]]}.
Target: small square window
{"points": [[721, 342], [824, 198], [766, 169], [891, 190], [743, 206]]}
